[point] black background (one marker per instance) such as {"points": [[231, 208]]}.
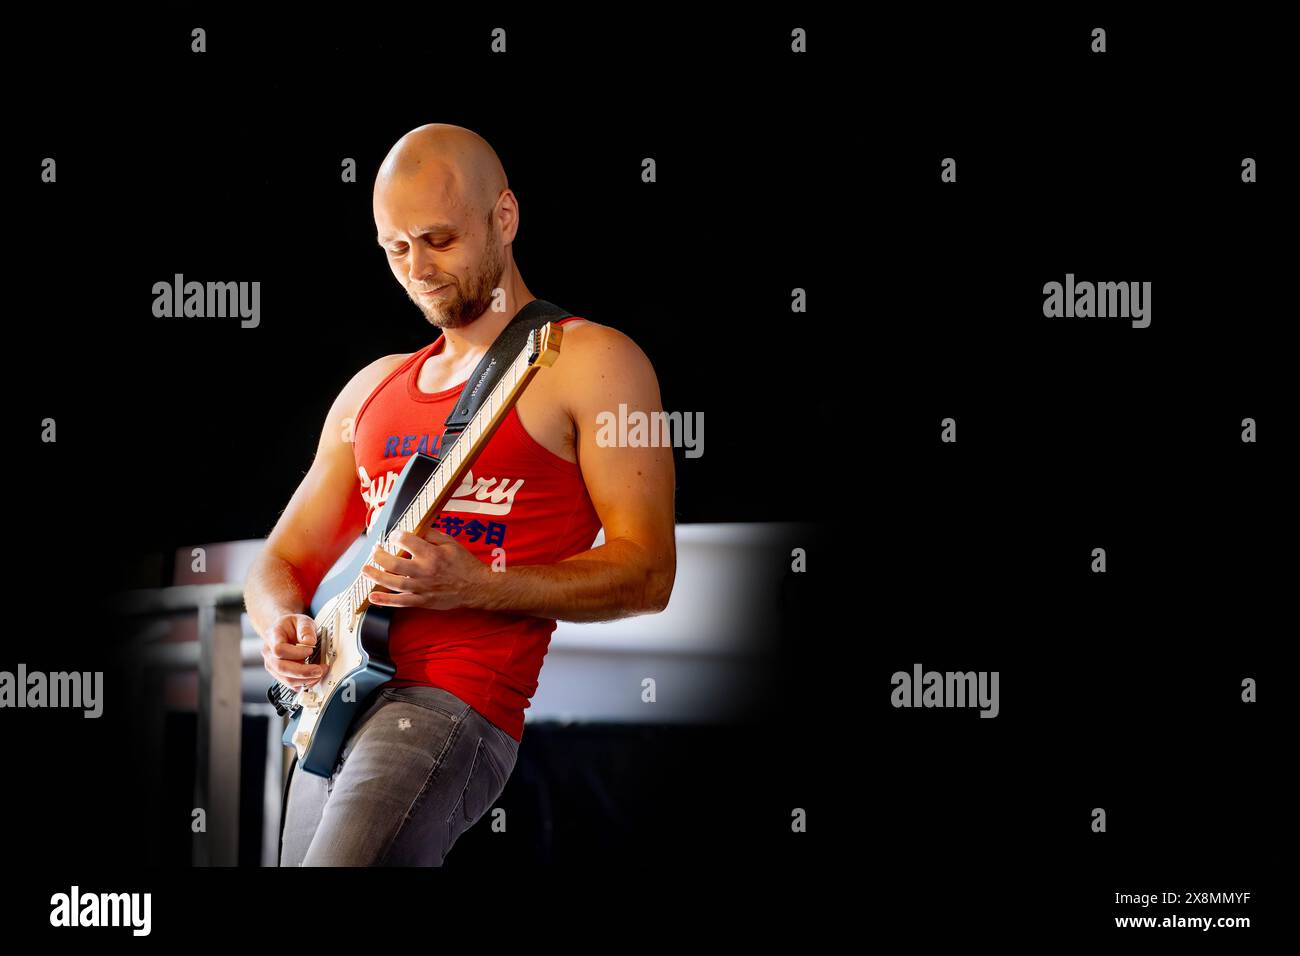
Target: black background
{"points": [[1119, 691]]}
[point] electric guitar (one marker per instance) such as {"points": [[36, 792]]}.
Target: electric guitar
{"points": [[351, 633]]}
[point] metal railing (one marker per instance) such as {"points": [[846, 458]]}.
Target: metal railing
{"points": [[219, 657]]}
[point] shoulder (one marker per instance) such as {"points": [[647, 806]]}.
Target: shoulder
{"points": [[589, 343], [363, 383], [603, 364], [380, 369]]}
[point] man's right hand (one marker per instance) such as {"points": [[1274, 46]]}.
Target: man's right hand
{"points": [[289, 641]]}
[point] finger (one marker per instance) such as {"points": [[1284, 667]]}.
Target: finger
{"points": [[414, 544], [295, 630], [292, 652], [394, 582], [389, 562], [298, 684], [402, 599], [289, 672], [433, 536]]}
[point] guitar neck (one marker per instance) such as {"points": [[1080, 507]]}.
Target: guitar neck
{"points": [[541, 350]]}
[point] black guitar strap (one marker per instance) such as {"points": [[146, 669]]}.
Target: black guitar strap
{"points": [[507, 346]]}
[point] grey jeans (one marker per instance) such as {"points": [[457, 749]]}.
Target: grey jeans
{"points": [[419, 768]]}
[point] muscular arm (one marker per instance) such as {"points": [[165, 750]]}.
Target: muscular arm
{"points": [[631, 488], [323, 517]]}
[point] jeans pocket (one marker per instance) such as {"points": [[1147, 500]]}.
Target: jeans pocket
{"points": [[483, 785]]}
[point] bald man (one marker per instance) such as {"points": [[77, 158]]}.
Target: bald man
{"points": [[432, 750]]}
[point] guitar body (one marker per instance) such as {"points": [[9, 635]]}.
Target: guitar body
{"points": [[353, 647]]}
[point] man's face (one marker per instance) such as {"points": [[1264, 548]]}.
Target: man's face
{"points": [[430, 243]]}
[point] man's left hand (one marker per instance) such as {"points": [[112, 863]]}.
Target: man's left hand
{"points": [[440, 574]]}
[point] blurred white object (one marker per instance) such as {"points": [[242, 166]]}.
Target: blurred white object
{"points": [[706, 651]]}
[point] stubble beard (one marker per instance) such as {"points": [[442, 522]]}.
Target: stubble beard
{"points": [[463, 306]]}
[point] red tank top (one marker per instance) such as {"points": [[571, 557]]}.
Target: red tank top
{"points": [[517, 495]]}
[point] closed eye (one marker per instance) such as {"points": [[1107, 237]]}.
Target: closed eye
{"points": [[399, 250]]}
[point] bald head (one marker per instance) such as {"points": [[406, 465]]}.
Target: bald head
{"points": [[446, 219], [455, 164]]}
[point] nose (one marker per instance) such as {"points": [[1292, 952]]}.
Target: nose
{"points": [[420, 266]]}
